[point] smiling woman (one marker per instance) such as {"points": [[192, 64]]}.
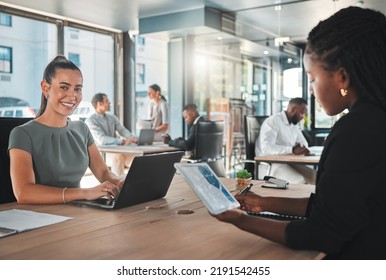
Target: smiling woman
{"points": [[55, 151], [61, 91]]}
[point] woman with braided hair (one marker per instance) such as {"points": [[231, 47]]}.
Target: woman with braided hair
{"points": [[345, 60]]}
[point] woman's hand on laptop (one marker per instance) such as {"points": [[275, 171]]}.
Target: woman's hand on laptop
{"points": [[106, 189]]}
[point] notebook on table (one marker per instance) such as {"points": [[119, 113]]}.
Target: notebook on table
{"points": [[275, 216], [315, 150], [149, 178]]}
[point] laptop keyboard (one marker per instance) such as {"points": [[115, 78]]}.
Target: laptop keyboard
{"points": [[104, 201]]}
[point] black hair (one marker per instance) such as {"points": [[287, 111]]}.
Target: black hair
{"points": [[298, 101], [354, 39], [60, 61], [156, 87], [190, 107], [97, 98]]}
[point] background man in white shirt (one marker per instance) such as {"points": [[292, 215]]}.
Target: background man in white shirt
{"points": [[107, 130], [280, 134]]}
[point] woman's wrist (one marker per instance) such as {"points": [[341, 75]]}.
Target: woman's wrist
{"points": [[64, 195]]}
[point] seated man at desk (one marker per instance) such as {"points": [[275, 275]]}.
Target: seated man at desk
{"points": [[107, 130], [191, 117], [280, 134]]}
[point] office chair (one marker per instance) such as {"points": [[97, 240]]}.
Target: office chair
{"points": [[252, 125], [7, 124], [209, 145]]}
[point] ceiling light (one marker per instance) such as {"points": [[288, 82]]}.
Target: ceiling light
{"points": [[280, 40]]}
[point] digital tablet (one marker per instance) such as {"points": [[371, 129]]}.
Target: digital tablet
{"points": [[207, 187]]}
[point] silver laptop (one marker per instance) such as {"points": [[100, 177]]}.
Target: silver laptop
{"points": [[146, 137], [149, 178]]}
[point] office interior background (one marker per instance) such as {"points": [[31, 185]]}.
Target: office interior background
{"points": [[218, 54]]}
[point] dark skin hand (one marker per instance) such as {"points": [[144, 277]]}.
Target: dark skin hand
{"points": [[166, 138], [270, 229], [299, 149]]}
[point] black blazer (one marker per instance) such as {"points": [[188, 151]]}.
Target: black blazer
{"points": [[189, 143]]}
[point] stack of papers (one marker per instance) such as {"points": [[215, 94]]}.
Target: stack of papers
{"points": [[15, 221], [315, 150]]}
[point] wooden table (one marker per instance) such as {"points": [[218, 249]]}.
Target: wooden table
{"points": [[136, 150], [286, 159], [151, 230]]}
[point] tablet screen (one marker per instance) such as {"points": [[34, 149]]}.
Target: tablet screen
{"points": [[207, 187]]}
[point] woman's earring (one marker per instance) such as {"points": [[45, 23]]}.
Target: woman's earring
{"points": [[343, 92]]}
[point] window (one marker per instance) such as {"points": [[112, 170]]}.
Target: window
{"points": [[8, 113], [140, 73], [32, 41], [74, 58], [5, 59], [292, 82], [322, 120], [141, 41], [97, 63], [5, 19], [140, 44], [31, 44]]}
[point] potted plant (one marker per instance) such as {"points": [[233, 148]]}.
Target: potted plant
{"points": [[243, 179]]}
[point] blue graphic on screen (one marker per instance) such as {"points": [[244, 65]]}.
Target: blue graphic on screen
{"points": [[213, 181]]}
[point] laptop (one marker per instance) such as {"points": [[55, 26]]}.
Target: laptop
{"points": [[149, 178], [146, 137]]}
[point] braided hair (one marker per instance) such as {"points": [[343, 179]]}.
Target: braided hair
{"points": [[354, 39]]}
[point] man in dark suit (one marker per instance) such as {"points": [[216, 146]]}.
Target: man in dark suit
{"points": [[191, 117]]}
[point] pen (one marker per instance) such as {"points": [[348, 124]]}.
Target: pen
{"points": [[244, 191]]}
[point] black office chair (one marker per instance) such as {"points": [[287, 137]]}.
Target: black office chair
{"points": [[252, 125], [6, 125], [209, 145]]}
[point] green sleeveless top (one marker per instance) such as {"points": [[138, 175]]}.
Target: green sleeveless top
{"points": [[59, 155]]}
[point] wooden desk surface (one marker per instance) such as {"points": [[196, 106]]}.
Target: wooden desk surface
{"points": [[137, 150], [298, 159], [151, 230]]}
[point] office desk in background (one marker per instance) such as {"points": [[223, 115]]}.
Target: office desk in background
{"points": [[151, 231], [287, 159], [136, 150]]}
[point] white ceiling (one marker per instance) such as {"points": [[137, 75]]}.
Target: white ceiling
{"points": [[258, 18]]}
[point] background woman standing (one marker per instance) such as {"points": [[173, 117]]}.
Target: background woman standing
{"points": [[158, 112]]}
